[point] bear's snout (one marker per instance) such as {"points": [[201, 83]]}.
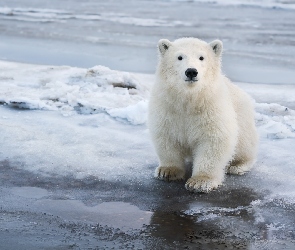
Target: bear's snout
{"points": [[191, 73]]}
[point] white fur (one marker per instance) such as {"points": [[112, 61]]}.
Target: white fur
{"points": [[210, 120]]}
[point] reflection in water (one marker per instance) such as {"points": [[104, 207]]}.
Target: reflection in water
{"points": [[29, 192], [218, 219], [228, 218], [113, 214]]}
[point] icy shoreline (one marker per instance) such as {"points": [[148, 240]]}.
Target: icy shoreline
{"points": [[64, 127]]}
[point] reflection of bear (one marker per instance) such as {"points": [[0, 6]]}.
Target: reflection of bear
{"points": [[197, 112]]}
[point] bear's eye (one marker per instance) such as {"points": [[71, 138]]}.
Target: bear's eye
{"points": [[180, 58], [201, 58]]}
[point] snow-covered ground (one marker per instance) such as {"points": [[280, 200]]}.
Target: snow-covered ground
{"points": [[74, 142], [79, 121], [89, 114]]}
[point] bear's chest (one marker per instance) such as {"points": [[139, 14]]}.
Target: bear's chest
{"points": [[184, 127]]}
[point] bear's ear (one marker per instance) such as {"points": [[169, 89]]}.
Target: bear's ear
{"points": [[216, 45], [164, 45]]}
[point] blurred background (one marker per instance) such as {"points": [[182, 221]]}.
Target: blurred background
{"points": [[258, 36]]}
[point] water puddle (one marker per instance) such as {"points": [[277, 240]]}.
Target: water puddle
{"points": [[29, 192], [113, 214]]}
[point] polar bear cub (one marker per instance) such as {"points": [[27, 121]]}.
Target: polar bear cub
{"points": [[196, 112]]}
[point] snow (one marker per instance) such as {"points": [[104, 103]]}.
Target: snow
{"points": [[73, 90], [276, 121], [80, 135], [135, 114]]}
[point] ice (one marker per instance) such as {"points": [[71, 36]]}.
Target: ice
{"points": [[74, 90], [276, 121], [209, 213], [135, 114], [5, 11]]}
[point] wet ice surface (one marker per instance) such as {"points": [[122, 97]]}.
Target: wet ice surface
{"points": [[76, 164], [82, 214]]}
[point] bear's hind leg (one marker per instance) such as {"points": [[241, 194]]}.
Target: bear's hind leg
{"points": [[239, 167], [246, 151]]}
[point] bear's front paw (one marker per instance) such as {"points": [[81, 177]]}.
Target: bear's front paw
{"points": [[201, 184], [169, 173]]}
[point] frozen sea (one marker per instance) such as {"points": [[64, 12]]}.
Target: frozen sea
{"points": [[76, 162]]}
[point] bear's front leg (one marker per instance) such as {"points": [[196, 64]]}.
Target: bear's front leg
{"points": [[202, 184], [171, 166], [169, 173], [208, 166]]}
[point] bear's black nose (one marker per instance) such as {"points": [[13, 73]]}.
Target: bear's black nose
{"points": [[191, 73]]}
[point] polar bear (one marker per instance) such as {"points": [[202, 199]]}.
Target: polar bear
{"points": [[196, 113]]}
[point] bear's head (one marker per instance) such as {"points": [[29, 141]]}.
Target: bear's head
{"points": [[189, 61]]}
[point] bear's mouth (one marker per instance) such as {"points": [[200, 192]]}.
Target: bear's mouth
{"points": [[191, 80]]}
